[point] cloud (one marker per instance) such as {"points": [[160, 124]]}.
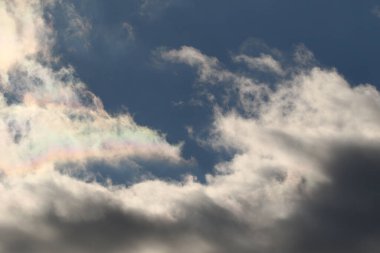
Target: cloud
{"points": [[303, 56], [340, 215], [263, 63], [302, 177], [48, 116], [22, 35], [81, 31], [376, 11], [293, 142], [209, 69], [154, 8], [72, 216], [130, 30], [75, 29]]}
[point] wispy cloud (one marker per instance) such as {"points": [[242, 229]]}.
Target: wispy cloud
{"points": [[264, 62], [153, 8], [376, 11], [130, 30]]}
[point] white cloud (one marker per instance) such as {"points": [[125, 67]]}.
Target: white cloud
{"points": [[264, 62], [48, 116], [290, 132], [282, 137], [21, 35], [209, 69]]}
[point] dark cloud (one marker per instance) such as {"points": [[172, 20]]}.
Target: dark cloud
{"points": [[340, 215], [202, 225], [337, 216]]}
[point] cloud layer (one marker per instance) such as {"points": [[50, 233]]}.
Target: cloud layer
{"points": [[302, 178]]}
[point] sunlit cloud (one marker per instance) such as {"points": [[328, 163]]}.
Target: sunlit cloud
{"points": [[48, 116], [263, 63], [289, 144]]}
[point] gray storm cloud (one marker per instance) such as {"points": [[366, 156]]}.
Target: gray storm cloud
{"points": [[303, 177]]}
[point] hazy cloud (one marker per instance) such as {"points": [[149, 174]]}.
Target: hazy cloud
{"points": [[376, 11], [153, 8], [130, 30], [262, 63]]}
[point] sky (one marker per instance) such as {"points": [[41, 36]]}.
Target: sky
{"points": [[194, 126]]}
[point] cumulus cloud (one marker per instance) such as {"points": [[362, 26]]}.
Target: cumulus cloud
{"points": [[302, 177], [292, 143]]}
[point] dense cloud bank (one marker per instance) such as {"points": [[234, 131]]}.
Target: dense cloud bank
{"points": [[303, 176]]}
